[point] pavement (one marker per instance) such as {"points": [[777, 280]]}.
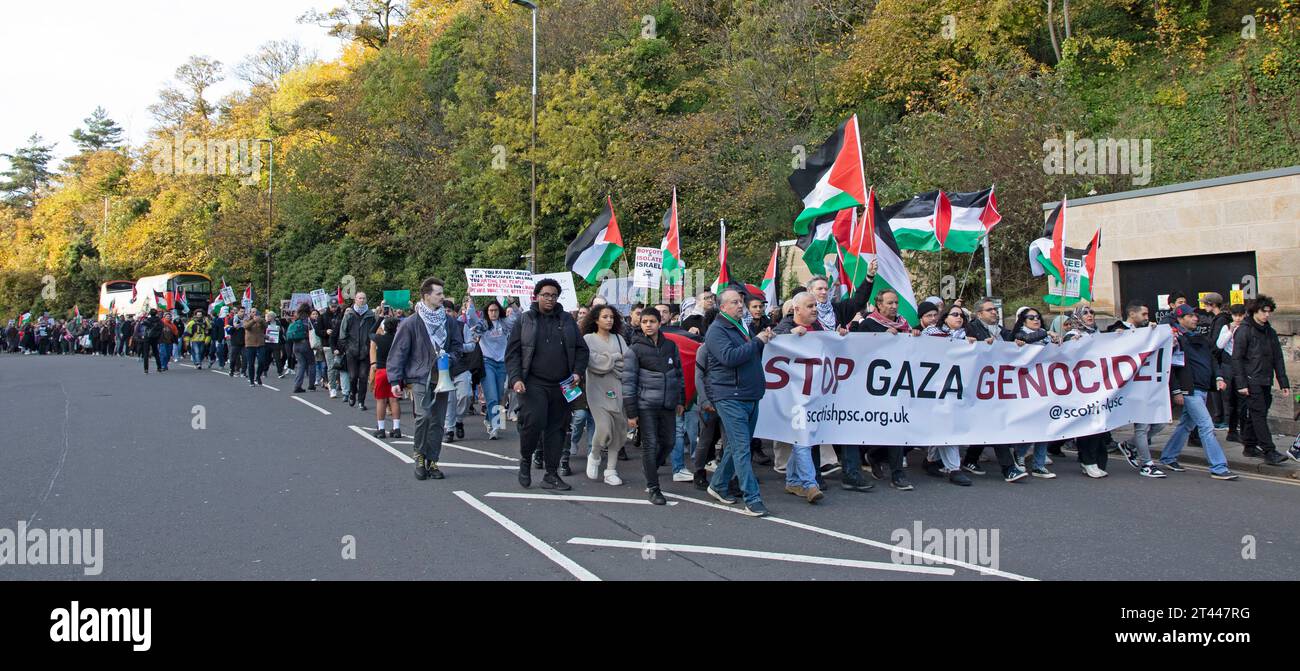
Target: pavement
{"points": [[194, 475]]}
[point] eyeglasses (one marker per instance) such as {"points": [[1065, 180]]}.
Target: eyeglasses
{"points": [[548, 295], [1033, 317], [957, 314]]}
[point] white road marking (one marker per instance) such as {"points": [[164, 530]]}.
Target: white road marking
{"points": [[864, 541], [362, 432], [571, 497], [759, 554], [491, 466], [220, 372], [483, 452], [536, 543], [403, 442], [270, 387], [309, 404]]}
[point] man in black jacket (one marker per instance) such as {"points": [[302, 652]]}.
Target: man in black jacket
{"points": [[1256, 359], [985, 325], [1192, 381], [544, 353], [152, 332], [354, 344], [654, 396]]}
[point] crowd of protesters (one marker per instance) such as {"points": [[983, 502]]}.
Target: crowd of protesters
{"points": [[682, 381]]}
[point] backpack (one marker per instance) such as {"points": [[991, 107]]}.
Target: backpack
{"points": [[155, 330], [297, 331]]}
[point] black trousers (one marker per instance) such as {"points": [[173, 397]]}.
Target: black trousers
{"points": [[358, 371], [147, 349], [1003, 453], [1092, 449], [1256, 433], [658, 433], [236, 359], [1234, 411], [543, 417], [894, 455], [707, 442]]}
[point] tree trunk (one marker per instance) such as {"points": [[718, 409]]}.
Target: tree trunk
{"points": [[1051, 30]]}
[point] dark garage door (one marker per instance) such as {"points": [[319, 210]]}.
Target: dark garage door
{"points": [[1192, 275]]}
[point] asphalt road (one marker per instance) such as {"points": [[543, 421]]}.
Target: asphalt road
{"points": [[270, 488]]}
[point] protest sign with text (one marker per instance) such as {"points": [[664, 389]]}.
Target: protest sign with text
{"points": [[880, 389]]}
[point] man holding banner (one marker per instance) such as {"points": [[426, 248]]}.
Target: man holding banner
{"points": [[734, 377]]}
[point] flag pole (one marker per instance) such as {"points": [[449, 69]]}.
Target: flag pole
{"points": [[988, 275]]}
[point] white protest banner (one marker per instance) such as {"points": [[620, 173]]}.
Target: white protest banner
{"points": [[568, 294], [649, 267], [228, 295], [319, 299], [881, 389], [499, 281]]}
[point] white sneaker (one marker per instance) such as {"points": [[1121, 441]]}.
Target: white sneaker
{"points": [[779, 468], [593, 466], [683, 476], [1092, 471], [612, 479], [334, 393], [711, 466]]}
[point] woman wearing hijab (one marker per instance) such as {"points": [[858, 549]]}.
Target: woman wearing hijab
{"points": [[1081, 324]]}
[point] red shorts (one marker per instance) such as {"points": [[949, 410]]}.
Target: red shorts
{"points": [[383, 390]]}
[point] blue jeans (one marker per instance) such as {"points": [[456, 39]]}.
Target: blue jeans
{"points": [[1040, 453], [799, 470], [163, 355], [1195, 414], [253, 360], [196, 352], [738, 420], [581, 420], [688, 428], [494, 384]]}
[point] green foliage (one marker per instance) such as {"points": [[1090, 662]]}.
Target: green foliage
{"points": [[411, 154]]}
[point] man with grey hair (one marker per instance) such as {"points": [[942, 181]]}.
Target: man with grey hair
{"points": [[734, 377], [801, 472]]}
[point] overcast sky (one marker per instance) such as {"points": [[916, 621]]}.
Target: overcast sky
{"points": [[64, 57]]}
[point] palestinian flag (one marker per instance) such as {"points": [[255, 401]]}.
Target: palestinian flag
{"points": [[970, 216], [673, 267], [768, 285], [913, 221], [879, 243], [76, 312], [724, 271], [1049, 255], [338, 294], [112, 302], [216, 306], [833, 178], [134, 293], [819, 241], [687, 349], [248, 294], [183, 303], [596, 248], [27, 317]]}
